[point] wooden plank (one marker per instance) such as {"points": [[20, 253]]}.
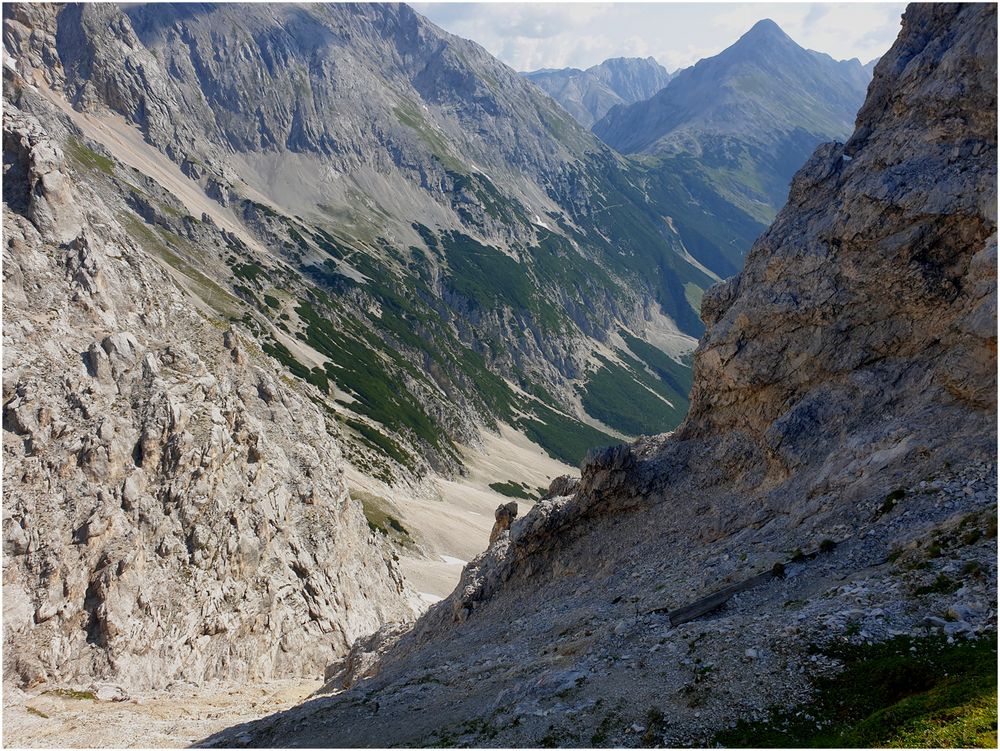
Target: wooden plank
{"points": [[713, 601], [719, 598], [716, 600]]}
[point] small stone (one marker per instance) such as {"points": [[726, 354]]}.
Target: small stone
{"points": [[959, 627], [110, 692], [960, 612]]}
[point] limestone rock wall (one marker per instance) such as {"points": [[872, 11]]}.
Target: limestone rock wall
{"points": [[173, 507], [872, 298]]}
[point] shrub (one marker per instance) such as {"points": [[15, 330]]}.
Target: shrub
{"points": [[890, 501], [943, 585]]}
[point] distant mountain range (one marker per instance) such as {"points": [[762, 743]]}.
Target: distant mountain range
{"points": [[747, 117], [589, 94], [715, 146]]}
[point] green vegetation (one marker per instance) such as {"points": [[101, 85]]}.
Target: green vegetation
{"points": [[380, 520], [251, 272], [890, 501], [562, 437], [943, 585], [167, 247], [315, 376], [513, 489], [369, 361], [677, 375], [69, 693], [87, 157], [494, 203], [629, 400], [409, 115], [37, 712], [489, 279], [905, 693], [357, 365], [717, 232], [377, 440], [694, 294], [604, 729], [653, 735]]}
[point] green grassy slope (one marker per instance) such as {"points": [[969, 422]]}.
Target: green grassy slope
{"points": [[904, 693]]}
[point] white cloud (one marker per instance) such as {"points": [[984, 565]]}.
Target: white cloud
{"points": [[556, 35]]}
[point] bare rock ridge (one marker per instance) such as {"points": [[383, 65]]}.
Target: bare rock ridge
{"points": [[854, 355], [173, 507]]}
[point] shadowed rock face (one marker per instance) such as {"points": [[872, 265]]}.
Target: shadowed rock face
{"points": [[856, 353]]}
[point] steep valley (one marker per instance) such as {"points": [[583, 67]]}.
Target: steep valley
{"points": [[295, 296], [835, 479], [420, 342]]}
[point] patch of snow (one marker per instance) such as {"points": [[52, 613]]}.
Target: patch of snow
{"points": [[537, 220]]}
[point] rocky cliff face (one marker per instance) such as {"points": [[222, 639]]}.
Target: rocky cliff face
{"points": [[873, 295], [174, 507], [589, 94], [837, 470]]}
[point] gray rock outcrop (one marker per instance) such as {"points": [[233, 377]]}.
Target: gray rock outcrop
{"points": [[505, 514], [173, 508], [588, 94]]}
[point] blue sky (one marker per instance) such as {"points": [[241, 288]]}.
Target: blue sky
{"points": [[528, 36]]}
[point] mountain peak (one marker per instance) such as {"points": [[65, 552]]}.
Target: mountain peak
{"points": [[765, 26], [764, 31]]}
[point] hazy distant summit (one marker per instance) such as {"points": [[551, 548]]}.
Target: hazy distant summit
{"points": [[751, 114], [589, 94]]}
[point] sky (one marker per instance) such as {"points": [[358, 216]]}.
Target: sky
{"points": [[529, 36]]}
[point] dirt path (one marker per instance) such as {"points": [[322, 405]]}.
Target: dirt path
{"points": [[171, 719]]}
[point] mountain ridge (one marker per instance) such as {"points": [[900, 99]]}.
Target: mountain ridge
{"points": [[521, 197], [740, 123], [590, 93]]}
